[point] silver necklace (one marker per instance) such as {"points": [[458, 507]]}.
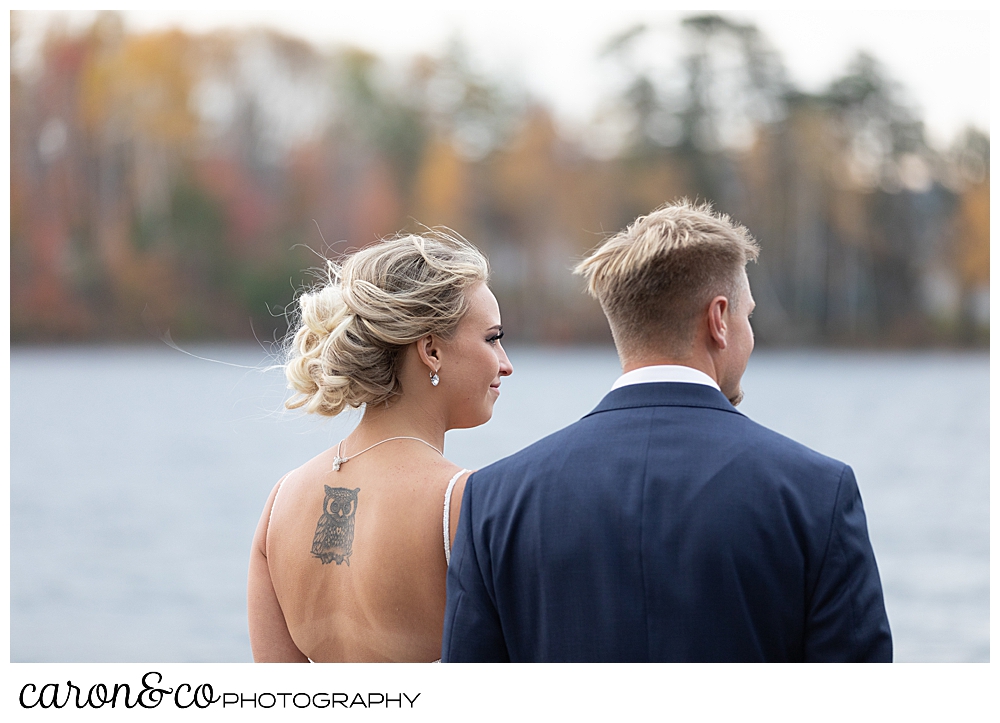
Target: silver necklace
{"points": [[338, 460]]}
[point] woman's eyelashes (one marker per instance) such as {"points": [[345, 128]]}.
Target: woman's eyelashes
{"points": [[496, 337]]}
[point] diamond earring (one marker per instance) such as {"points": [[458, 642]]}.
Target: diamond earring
{"points": [[435, 379]]}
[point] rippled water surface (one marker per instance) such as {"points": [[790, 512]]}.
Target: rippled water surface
{"points": [[138, 475]]}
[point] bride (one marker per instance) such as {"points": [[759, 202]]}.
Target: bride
{"points": [[349, 559]]}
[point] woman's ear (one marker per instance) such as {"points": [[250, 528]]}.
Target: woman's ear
{"points": [[428, 351]]}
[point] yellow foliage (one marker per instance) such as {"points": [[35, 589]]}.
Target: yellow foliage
{"points": [[973, 243], [441, 186], [526, 173], [144, 86]]}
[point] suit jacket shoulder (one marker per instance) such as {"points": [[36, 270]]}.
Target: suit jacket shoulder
{"points": [[687, 413]]}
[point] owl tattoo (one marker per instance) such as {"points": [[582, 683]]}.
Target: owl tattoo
{"points": [[335, 530]]}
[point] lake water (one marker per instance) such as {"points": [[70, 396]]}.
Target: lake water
{"points": [[138, 475]]}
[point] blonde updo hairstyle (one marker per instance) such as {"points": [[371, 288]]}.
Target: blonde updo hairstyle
{"points": [[352, 330]]}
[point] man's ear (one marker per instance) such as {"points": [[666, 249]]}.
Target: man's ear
{"points": [[429, 353], [717, 328]]}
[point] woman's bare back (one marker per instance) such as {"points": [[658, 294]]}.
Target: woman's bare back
{"points": [[356, 557]]}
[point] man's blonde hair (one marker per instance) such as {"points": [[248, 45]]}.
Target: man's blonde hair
{"points": [[655, 278]]}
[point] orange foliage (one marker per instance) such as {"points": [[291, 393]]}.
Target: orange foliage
{"points": [[525, 175], [441, 186], [973, 232]]}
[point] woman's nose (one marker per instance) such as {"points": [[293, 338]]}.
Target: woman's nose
{"points": [[506, 368]]}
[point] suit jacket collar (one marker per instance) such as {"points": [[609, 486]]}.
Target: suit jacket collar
{"points": [[664, 394]]}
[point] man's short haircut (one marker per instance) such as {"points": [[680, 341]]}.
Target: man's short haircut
{"points": [[655, 278]]}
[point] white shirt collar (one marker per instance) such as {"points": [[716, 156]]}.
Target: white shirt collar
{"points": [[665, 373]]}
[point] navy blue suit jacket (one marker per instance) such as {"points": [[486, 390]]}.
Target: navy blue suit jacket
{"points": [[664, 526]]}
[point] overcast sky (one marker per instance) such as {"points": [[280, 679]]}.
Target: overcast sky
{"points": [[941, 56]]}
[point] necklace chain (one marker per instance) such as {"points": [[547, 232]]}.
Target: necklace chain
{"points": [[338, 460]]}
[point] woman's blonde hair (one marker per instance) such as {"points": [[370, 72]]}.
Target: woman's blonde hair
{"points": [[353, 328]]}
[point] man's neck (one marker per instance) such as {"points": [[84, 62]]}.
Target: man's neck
{"points": [[702, 362]]}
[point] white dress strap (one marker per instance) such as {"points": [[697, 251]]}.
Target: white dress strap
{"points": [[447, 515]]}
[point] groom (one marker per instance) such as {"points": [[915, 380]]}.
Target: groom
{"points": [[665, 525]]}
